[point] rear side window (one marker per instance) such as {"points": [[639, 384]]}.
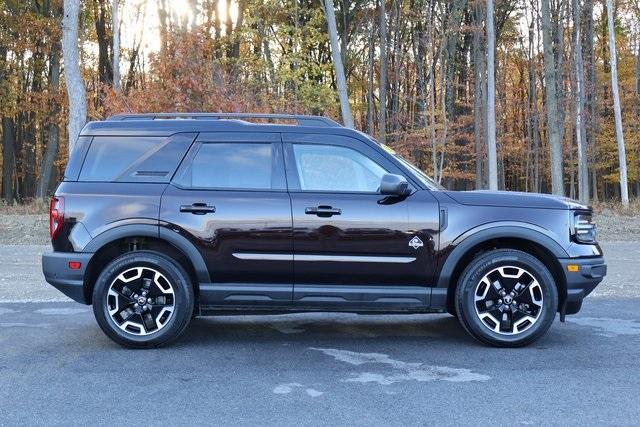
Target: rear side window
{"points": [[249, 166], [134, 159]]}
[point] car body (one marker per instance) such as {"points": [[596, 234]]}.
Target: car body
{"points": [[281, 218]]}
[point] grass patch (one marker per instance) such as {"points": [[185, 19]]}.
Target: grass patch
{"points": [[30, 207], [615, 208]]}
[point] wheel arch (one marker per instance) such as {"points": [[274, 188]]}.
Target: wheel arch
{"points": [[110, 244], [523, 238]]}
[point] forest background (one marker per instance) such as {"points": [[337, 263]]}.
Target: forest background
{"points": [[509, 94]]}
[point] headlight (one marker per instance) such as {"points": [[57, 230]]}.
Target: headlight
{"points": [[583, 230]]}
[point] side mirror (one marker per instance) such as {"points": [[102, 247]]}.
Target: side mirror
{"points": [[394, 185]]}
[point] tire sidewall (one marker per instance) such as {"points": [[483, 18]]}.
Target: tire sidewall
{"points": [[183, 298], [465, 301]]}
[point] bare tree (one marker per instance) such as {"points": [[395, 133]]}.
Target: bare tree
{"points": [[553, 119], [622, 157], [491, 99], [341, 81], [51, 150], [370, 73], [479, 90], [382, 112], [580, 129], [115, 27], [76, 91]]}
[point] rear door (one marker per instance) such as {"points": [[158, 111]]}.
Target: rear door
{"points": [[229, 198]]}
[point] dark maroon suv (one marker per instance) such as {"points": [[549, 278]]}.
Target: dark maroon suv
{"points": [[159, 220]]}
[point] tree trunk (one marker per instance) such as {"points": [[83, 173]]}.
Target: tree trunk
{"points": [[479, 90], [8, 158], [370, 73], [580, 130], [115, 27], [553, 122], [382, 112], [622, 157], [75, 85], [491, 99], [590, 90], [51, 150], [396, 61], [105, 70], [345, 108]]}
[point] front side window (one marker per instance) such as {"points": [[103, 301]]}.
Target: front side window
{"points": [[230, 165], [335, 168]]}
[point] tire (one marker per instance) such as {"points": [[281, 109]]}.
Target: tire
{"points": [[506, 314], [143, 299]]}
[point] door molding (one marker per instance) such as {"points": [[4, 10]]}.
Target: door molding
{"points": [[324, 258]]}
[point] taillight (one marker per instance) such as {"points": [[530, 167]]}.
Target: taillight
{"points": [[56, 215]]}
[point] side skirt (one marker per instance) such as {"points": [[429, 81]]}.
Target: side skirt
{"points": [[259, 298]]}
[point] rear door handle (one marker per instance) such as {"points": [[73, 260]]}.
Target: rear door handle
{"points": [[322, 211], [198, 208]]}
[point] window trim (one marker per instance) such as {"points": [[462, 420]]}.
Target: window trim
{"points": [[277, 167]]}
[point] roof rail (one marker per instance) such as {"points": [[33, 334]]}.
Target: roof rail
{"points": [[302, 120]]}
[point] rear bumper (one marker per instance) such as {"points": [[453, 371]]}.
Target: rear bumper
{"points": [[55, 267], [581, 283]]}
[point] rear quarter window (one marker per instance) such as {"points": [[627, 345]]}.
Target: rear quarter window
{"points": [[134, 159]]}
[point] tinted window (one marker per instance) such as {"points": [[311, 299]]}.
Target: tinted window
{"points": [[333, 168], [109, 157], [72, 171], [230, 165]]}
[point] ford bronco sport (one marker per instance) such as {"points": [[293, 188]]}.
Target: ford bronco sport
{"points": [[163, 217]]}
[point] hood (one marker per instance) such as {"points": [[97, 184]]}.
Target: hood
{"points": [[513, 199]]}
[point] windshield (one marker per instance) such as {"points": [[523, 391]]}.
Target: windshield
{"points": [[421, 176], [415, 171]]}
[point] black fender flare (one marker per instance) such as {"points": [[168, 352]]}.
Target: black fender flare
{"points": [[148, 230], [463, 243]]}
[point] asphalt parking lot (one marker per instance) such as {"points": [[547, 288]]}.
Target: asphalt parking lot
{"points": [[57, 367]]}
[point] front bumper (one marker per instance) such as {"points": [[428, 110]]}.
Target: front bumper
{"points": [[56, 270], [582, 282]]}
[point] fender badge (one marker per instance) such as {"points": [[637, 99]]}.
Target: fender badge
{"points": [[416, 243]]}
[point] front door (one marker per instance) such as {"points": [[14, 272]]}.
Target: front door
{"points": [[229, 197], [352, 245]]}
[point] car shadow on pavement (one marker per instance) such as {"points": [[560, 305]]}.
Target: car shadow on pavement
{"points": [[312, 327]]}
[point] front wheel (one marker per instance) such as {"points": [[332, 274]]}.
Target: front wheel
{"points": [[506, 298], [143, 299]]}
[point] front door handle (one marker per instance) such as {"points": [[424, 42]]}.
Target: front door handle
{"points": [[323, 211], [198, 208]]}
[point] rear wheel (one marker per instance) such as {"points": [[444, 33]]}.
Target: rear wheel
{"points": [[506, 298], [143, 299]]}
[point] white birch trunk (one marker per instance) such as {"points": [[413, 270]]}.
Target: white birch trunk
{"points": [[341, 81], [491, 99], [115, 27], [581, 133], [382, 112], [73, 78], [622, 157]]}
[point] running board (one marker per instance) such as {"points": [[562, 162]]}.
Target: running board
{"points": [[319, 297]]}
